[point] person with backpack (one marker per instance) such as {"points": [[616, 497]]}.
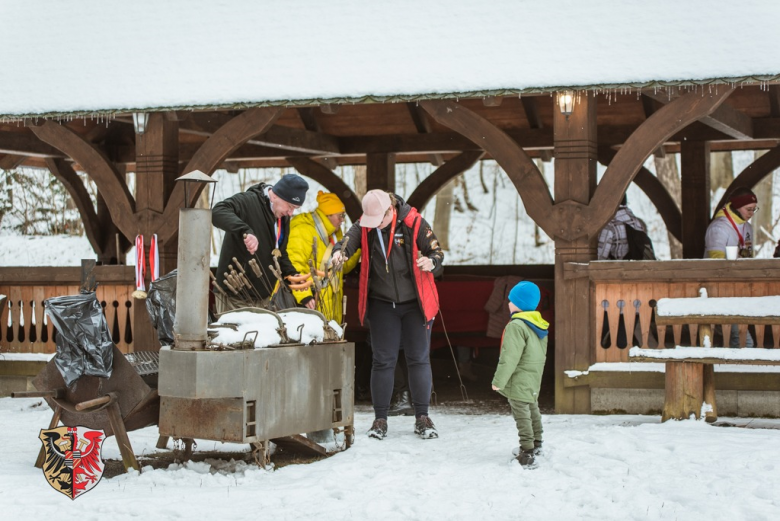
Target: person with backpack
{"points": [[625, 237]]}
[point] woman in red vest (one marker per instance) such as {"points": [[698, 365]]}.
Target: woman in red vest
{"points": [[398, 297]]}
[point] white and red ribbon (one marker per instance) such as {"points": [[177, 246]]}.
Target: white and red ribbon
{"points": [[154, 259], [140, 263]]}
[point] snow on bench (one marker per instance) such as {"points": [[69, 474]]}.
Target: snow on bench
{"points": [[718, 310], [707, 355]]}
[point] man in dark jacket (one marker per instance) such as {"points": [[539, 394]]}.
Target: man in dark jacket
{"points": [[400, 256], [257, 224]]}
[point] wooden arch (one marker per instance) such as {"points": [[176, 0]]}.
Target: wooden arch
{"points": [[65, 174], [656, 192], [109, 181], [752, 174], [213, 153], [522, 171], [327, 178], [651, 134], [442, 175]]}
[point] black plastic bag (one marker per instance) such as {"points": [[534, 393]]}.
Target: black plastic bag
{"points": [[84, 345], [161, 306]]}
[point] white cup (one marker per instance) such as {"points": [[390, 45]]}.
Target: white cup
{"points": [[731, 252]]}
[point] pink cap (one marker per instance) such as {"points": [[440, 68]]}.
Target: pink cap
{"points": [[375, 204]]}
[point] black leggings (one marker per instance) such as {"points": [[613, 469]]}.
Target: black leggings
{"points": [[394, 325]]}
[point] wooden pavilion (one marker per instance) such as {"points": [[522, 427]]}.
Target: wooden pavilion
{"points": [[619, 124]]}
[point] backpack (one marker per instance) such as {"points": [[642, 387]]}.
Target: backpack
{"points": [[640, 247]]}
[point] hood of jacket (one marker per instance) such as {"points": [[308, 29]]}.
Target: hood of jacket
{"points": [[535, 321]]}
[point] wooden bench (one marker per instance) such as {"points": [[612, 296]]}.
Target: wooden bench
{"points": [[690, 374]]}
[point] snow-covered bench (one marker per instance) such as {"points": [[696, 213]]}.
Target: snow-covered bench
{"points": [[690, 375], [690, 379]]}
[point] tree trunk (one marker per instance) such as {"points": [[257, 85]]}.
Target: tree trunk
{"points": [[721, 170], [360, 181], [441, 219], [669, 175]]}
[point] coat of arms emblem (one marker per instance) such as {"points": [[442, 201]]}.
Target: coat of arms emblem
{"points": [[72, 459]]}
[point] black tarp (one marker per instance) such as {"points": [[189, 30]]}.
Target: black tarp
{"points": [[84, 345], [161, 306]]}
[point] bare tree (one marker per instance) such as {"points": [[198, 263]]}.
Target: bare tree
{"points": [[669, 175]]}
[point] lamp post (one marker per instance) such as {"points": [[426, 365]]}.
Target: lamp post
{"points": [[192, 284]]}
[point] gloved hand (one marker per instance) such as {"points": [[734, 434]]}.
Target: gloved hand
{"points": [[336, 259]]}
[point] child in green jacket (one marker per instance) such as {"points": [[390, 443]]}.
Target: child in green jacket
{"points": [[519, 373]]}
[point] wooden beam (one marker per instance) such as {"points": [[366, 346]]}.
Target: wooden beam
{"points": [[774, 100], [105, 175], [522, 171], [65, 174], [213, 153], [724, 118], [423, 126], [649, 136], [10, 161], [531, 108], [380, 172], [752, 174], [575, 181], [695, 190], [441, 176], [26, 144], [327, 178], [678, 271], [309, 119]]}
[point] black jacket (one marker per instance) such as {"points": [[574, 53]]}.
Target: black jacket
{"points": [[393, 281], [250, 212]]}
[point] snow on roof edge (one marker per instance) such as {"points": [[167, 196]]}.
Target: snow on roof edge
{"points": [[762, 80]]}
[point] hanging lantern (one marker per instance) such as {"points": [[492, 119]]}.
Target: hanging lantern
{"points": [[566, 102]]}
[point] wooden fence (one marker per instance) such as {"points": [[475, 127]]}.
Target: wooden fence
{"points": [[23, 325], [624, 295]]}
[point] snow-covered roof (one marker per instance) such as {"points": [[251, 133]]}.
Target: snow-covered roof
{"points": [[108, 56]]}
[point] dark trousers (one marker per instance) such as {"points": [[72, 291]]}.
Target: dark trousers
{"points": [[394, 325]]}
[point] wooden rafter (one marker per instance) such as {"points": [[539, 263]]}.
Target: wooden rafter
{"points": [[213, 153], [531, 108], [423, 127], [753, 174], [25, 144], [11, 161], [442, 175], [327, 178], [105, 175], [774, 100], [528, 181], [309, 119], [651, 134], [78, 192], [725, 118]]}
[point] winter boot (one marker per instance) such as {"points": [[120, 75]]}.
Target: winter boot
{"points": [[537, 448], [378, 429], [402, 406], [526, 458], [424, 428]]}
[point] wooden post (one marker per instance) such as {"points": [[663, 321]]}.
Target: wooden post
{"points": [[684, 390], [709, 393], [120, 433], [157, 166], [380, 172], [695, 160], [575, 180]]}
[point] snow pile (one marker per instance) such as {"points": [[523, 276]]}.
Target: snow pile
{"points": [[247, 324], [719, 306], [652, 367], [272, 51], [303, 327], [26, 357], [720, 353], [594, 468]]}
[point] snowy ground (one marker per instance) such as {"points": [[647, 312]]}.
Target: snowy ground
{"points": [[594, 467]]}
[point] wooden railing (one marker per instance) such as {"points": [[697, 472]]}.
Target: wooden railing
{"points": [[23, 326], [624, 294]]}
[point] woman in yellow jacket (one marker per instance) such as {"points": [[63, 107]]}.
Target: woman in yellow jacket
{"points": [[323, 224]]}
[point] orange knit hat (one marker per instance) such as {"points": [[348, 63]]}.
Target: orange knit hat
{"points": [[329, 203]]}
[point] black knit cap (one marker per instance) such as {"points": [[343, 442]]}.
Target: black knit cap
{"points": [[291, 188]]}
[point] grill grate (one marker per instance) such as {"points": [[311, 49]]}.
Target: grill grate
{"points": [[144, 362]]}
